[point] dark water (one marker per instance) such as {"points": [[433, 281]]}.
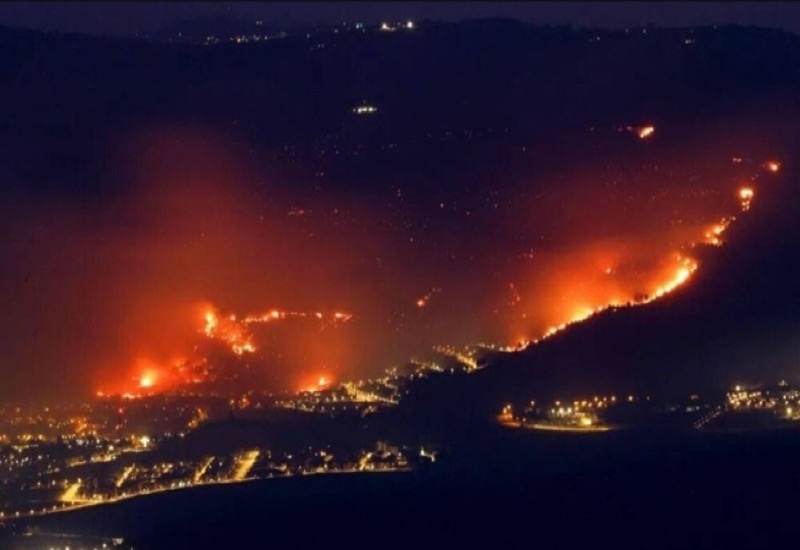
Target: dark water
{"points": [[512, 490]]}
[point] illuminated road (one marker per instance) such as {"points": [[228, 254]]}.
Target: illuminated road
{"points": [[71, 494], [244, 465], [198, 475], [361, 396], [506, 421], [124, 475], [701, 423], [81, 504], [558, 428]]}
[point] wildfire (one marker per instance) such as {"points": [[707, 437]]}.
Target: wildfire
{"points": [[683, 269], [229, 330], [147, 380], [582, 314], [322, 382], [234, 331], [680, 276], [147, 376], [211, 323], [713, 234], [589, 278], [278, 315]]}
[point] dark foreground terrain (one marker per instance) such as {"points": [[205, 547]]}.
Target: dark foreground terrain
{"points": [[618, 489]]}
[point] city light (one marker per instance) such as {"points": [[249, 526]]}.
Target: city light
{"points": [[365, 109]]}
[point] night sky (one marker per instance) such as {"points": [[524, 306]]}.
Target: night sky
{"points": [[125, 18]]}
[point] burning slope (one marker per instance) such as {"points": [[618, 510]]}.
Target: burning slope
{"points": [[681, 268], [392, 279], [735, 323], [235, 332]]}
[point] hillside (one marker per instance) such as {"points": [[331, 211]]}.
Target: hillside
{"points": [[735, 322]]}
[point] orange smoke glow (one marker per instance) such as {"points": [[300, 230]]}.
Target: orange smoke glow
{"points": [[315, 383], [678, 273], [346, 292], [147, 377]]}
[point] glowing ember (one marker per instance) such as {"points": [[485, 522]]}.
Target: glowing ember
{"points": [[645, 132], [773, 166], [423, 301], [712, 235], [746, 197]]}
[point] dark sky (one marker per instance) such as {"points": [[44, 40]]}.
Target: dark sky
{"points": [[123, 18]]}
